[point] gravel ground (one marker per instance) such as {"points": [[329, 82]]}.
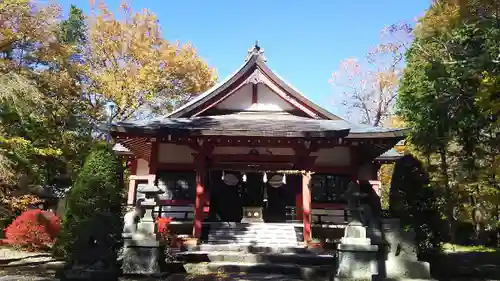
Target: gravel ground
{"points": [[7, 254], [24, 278]]}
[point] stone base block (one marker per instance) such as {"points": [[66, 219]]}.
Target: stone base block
{"points": [[357, 261], [400, 268], [355, 241], [143, 258]]}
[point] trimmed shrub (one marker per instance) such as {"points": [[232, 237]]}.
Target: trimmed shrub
{"points": [[414, 202], [33, 230], [168, 237], [92, 224]]}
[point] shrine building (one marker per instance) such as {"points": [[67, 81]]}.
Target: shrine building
{"points": [[254, 149]]}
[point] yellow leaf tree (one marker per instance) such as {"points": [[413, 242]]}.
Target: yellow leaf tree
{"points": [[128, 63], [386, 170]]}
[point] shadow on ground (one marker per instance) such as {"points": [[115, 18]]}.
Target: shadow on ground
{"points": [[468, 265]]}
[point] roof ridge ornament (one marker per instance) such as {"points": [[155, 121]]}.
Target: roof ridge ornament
{"points": [[256, 50]]}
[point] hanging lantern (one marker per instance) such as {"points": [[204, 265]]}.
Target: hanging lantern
{"points": [[264, 179], [231, 179], [276, 181], [223, 175], [284, 179], [244, 177]]}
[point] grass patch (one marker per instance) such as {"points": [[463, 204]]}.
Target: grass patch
{"points": [[474, 248]]}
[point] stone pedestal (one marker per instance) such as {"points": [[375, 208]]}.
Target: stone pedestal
{"points": [[357, 257], [142, 257], [357, 262], [142, 253], [400, 254]]}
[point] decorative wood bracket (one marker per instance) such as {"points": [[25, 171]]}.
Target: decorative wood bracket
{"points": [[307, 144], [255, 78], [200, 141]]}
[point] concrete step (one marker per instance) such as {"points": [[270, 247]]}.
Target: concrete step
{"points": [[307, 259], [253, 227], [263, 232], [253, 224], [252, 243], [249, 248], [254, 237], [254, 232], [263, 236], [292, 270]]}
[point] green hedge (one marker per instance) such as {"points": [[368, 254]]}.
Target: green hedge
{"points": [[92, 224]]}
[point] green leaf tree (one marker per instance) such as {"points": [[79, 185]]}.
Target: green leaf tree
{"points": [[441, 97]]}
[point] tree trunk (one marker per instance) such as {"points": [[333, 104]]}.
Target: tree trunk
{"points": [[449, 202], [497, 228]]}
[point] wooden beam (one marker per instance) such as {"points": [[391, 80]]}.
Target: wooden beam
{"points": [[255, 93], [257, 141], [176, 167], [339, 170], [258, 158]]}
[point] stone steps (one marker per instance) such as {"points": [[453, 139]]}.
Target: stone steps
{"points": [[249, 248], [278, 234], [263, 232], [308, 259], [252, 241], [290, 270]]}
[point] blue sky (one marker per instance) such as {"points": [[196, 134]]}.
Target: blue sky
{"points": [[304, 41]]}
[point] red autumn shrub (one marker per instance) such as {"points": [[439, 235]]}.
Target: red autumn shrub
{"points": [[33, 229], [164, 232], [163, 224]]}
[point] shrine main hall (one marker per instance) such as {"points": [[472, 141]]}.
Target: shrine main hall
{"points": [[254, 149]]}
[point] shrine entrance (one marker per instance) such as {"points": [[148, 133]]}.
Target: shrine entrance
{"points": [[251, 196], [225, 200]]}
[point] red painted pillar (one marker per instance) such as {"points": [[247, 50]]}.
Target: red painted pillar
{"points": [[306, 205], [133, 166], [200, 196], [298, 204]]}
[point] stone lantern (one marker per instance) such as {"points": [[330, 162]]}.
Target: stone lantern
{"points": [[142, 252]]}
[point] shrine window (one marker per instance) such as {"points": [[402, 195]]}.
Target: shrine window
{"points": [[328, 188], [177, 185]]}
